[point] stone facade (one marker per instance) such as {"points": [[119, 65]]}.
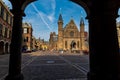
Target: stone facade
{"points": [[33, 43], [6, 23], [41, 44], [69, 37], [27, 37], [53, 41]]}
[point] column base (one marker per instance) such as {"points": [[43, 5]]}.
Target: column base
{"points": [[91, 76], [2, 53], [101, 76], [14, 77]]}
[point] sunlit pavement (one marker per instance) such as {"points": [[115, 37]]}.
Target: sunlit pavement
{"points": [[49, 66]]}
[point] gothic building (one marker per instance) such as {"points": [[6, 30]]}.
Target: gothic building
{"points": [[69, 37]]}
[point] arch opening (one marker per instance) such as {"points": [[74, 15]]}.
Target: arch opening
{"points": [[45, 17], [95, 56]]}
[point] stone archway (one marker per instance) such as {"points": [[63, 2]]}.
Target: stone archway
{"points": [[73, 45], [1, 47], [104, 50], [103, 42], [85, 4]]}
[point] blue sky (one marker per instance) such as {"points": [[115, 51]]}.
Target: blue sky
{"points": [[43, 15]]}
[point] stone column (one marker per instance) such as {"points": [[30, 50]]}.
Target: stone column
{"points": [[4, 48], [103, 43], [15, 47], [9, 48]]}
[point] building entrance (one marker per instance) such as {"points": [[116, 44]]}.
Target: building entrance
{"points": [[73, 45]]}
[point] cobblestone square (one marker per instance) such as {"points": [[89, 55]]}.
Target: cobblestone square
{"points": [[49, 66]]}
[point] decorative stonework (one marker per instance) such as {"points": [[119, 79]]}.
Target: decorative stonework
{"points": [[68, 34]]}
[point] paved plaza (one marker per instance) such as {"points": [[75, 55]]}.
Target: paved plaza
{"points": [[49, 66]]}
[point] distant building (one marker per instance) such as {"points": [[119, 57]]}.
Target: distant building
{"points": [[6, 23], [33, 43], [41, 44], [45, 45], [38, 44], [69, 37], [53, 41], [27, 44]]}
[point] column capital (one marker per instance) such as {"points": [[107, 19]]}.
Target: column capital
{"points": [[85, 4], [20, 4], [102, 8], [106, 12], [18, 12]]}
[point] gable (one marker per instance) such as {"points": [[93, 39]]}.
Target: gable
{"points": [[71, 26]]}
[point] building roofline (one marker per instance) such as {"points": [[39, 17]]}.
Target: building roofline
{"points": [[6, 7]]}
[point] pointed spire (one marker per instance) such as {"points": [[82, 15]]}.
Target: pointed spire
{"points": [[82, 21], [60, 18], [82, 24], [71, 17]]}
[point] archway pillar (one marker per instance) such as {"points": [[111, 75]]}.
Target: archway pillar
{"points": [[9, 48], [4, 48], [15, 47], [103, 43], [16, 41]]}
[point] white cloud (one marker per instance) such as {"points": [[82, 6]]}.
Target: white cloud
{"points": [[49, 10], [47, 17], [53, 4], [51, 17], [41, 16], [48, 4], [42, 34]]}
